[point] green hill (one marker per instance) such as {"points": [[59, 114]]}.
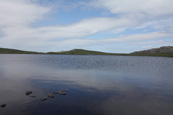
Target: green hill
{"points": [[82, 52], [14, 51], [166, 51]]}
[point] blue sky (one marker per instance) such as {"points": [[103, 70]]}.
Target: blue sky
{"points": [[119, 26]]}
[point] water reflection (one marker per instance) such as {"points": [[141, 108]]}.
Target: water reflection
{"points": [[95, 85]]}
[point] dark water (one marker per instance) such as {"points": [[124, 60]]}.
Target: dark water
{"points": [[95, 85]]}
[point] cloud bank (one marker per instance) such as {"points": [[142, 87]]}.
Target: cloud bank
{"points": [[17, 19]]}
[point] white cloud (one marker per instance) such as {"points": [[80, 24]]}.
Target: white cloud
{"points": [[150, 8], [77, 30], [153, 44], [160, 42], [157, 24], [136, 38], [20, 13], [67, 44], [140, 37], [148, 13], [17, 17]]}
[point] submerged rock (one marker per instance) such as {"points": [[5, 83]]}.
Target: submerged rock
{"points": [[55, 92], [60, 92], [50, 95], [33, 96], [28, 92], [43, 99], [3, 105]]}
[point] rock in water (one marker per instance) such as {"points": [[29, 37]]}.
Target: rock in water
{"points": [[43, 99], [50, 95], [60, 92], [28, 92], [3, 105], [55, 92]]}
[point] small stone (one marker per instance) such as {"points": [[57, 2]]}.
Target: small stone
{"points": [[50, 95], [60, 92], [55, 92], [28, 92], [3, 105], [43, 99]]}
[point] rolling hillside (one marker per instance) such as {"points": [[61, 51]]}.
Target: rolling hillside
{"points": [[166, 51], [82, 52], [14, 51]]}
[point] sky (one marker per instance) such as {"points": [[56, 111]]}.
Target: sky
{"points": [[117, 26]]}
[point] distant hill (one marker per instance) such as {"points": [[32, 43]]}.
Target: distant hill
{"points": [[166, 51], [82, 52], [14, 51], [162, 51]]}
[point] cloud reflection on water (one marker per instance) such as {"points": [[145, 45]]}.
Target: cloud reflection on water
{"points": [[116, 89]]}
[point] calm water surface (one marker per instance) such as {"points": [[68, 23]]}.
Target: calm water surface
{"points": [[95, 85]]}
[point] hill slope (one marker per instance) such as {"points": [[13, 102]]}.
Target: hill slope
{"points": [[14, 51], [166, 51], [162, 51], [82, 52]]}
